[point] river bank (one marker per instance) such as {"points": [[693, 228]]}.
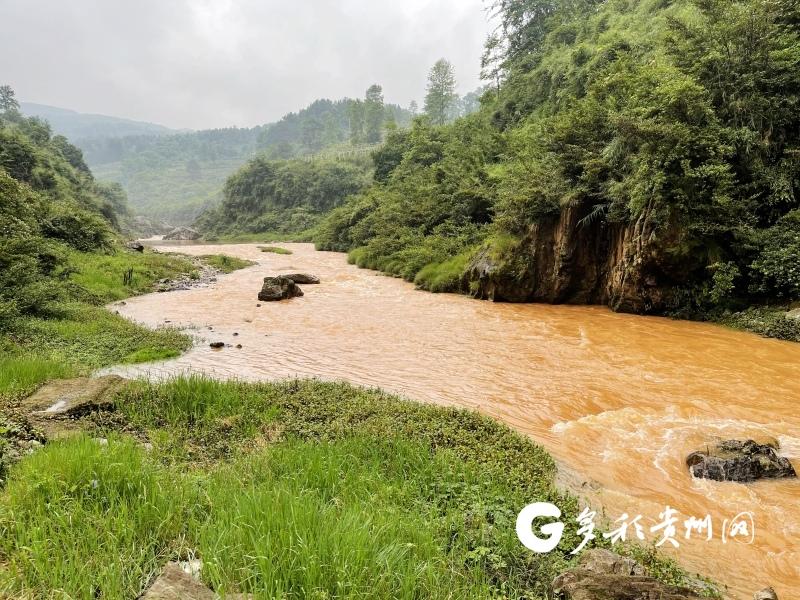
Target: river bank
{"points": [[424, 497], [622, 399]]}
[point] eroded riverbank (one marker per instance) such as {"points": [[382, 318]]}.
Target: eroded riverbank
{"points": [[621, 399]]}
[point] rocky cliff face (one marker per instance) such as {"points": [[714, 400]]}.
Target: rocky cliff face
{"points": [[635, 267]]}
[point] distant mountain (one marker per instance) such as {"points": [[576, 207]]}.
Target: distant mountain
{"points": [[80, 126], [174, 175]]}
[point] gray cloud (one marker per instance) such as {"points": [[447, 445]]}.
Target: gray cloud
{"points": [[213, 63]]}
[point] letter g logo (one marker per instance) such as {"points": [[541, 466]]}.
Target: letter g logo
{"points": [[554, 531]]}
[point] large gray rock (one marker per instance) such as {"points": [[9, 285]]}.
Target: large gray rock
{"points": [[740, 461], [603, 575], [278, 288], [73, 397], [766, 594], [182, 234], [302, 278], [57, 407], [175, 584]]}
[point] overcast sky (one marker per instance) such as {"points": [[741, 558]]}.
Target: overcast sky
{"points": [[214, 63]]}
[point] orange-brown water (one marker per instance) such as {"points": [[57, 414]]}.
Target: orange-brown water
{"points": [[619, 399]]}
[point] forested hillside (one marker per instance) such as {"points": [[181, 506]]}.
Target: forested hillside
{"points": [[175, 177], [283, 197], [61, 260], [640, 154], [51, 205]]}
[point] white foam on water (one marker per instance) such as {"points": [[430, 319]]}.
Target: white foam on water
{"points": [[789, 446]]}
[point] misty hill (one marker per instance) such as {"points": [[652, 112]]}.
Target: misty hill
{"points": [[175, 177], [77, 126]]}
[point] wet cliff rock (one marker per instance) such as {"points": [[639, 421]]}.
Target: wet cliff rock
{"points": [[741, 461], [278, 288], [639, 267]]}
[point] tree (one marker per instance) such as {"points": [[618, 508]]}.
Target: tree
{"points": [[356, 115], [413, 108], [441, 96], [8, 101], [374, 114]]}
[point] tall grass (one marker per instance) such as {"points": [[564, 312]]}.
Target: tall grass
{"points": [[83, 520], [338, 520], [445, 276], [20, 374], [291, 490]]}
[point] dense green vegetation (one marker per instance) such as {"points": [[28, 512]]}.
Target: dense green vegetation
{"points": [[291, 490], [283, 197], [175, 177], [678, 116], [61, 260]]}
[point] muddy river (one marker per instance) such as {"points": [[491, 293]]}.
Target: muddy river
{"points": [[619, 400]]}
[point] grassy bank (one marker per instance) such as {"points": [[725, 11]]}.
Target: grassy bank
{"points": [[265, 237], [79, 335], [299, 489]]}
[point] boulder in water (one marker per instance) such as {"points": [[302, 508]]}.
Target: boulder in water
{"points": [[766, 594], [603, 575], [302, 278], [740, 461], [279, 288], [182, 233]]}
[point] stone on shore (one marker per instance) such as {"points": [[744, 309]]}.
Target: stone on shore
{"points": [[739, 461], [603, 575], [73, 397], [180, 581]]}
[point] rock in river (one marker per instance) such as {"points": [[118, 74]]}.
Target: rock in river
{"points": [[278, 288], [603, 575], [766, 594], [741, 461], [302, 278]]}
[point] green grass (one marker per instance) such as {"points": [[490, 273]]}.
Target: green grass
{"points": [[772, 323], [102, 275], [225, 263], [468, 478], [294, 490], [445, 276], [338, 520], [274, 249], [89, 337], [82, 520], [23, 373]]}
